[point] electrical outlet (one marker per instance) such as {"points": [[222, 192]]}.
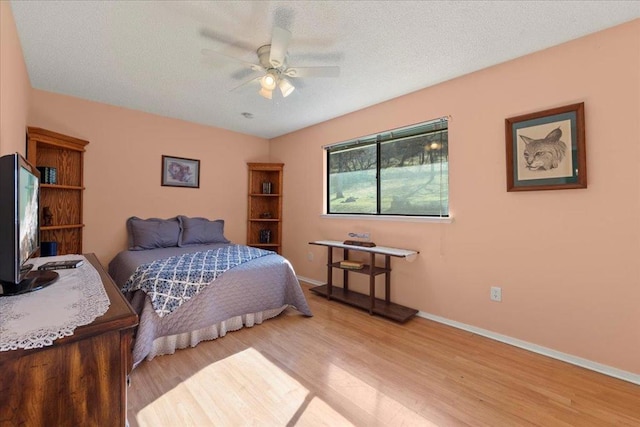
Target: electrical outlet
{"points": [[310, 256], [496, 294]]}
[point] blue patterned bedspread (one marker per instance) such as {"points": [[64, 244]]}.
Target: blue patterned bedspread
{"points": [[170, 282]]}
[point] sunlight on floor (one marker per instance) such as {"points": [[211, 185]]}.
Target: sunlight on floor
{"points": [[243, 389], [384, 409], [318, 413]]}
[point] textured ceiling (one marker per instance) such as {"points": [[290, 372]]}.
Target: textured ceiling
{"points": [[146, 55]]}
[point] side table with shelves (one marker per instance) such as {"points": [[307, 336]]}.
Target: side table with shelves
{"points": [[383, 307]]}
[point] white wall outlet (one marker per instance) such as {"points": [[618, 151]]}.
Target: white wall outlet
{"points": [[310, 256], [496, 293]]}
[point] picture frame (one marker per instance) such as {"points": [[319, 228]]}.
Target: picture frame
{"points": [[546, 149], [180, 172]]}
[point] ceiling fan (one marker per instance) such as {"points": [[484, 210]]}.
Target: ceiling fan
{"points": [[273, 64]]}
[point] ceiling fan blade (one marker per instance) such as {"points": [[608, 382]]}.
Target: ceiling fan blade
{"points": [[214, 35], [296, 72], [279, 45], [214, 54], [255, 79]]}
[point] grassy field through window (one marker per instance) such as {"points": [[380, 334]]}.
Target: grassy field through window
{"points": [[407, 190]]}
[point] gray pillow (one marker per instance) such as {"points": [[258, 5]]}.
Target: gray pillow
{"points": [[152, 233], [201, 231]]}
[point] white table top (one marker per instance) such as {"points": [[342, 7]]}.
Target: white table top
{"points": [[383, 250]]}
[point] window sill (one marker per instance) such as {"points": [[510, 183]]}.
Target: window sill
{"points": [[440, 220]]}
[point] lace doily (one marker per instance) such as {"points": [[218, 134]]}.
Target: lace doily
{"points": [[36, 319]]}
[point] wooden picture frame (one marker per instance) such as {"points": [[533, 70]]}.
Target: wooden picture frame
{"points": [[546, 150], [180, 172]]}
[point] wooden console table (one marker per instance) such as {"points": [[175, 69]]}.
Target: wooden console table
{"points": [[383, 307]]}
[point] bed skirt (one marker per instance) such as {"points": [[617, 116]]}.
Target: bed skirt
{"points": [[171, 343]]}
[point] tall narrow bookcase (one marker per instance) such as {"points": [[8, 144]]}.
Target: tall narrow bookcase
{"points": [[64, 198], [264, 227]]}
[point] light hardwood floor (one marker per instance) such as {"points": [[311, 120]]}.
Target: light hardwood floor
{"points": [[344, 367]]}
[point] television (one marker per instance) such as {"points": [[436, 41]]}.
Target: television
{"points": [[20, 227]]}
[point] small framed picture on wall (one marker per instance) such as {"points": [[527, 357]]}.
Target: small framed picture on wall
{"points": [[180, 172]]}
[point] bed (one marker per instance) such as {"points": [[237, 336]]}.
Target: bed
{"points": [[244, 295]]}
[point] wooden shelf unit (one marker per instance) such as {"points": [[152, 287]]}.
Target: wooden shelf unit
{"points": [[383, 307], [264, 210], [65, 198]]}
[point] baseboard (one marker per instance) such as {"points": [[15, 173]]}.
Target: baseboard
{"points": [[311, 281], [574, 360]]}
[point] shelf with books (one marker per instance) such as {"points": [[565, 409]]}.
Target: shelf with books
{"points": [[264, 210], [363, 269], [61, 196]]}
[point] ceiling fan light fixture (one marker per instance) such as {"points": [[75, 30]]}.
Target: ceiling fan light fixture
{"points": [[273, 65], [286, 87], [269, 81], [266, 93]]}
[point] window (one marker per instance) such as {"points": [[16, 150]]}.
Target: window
{"points": [[400, 172]]}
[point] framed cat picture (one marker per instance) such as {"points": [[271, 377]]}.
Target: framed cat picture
{"points": [[546, 150]]}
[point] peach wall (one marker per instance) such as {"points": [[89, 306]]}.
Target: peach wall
{"points": [[123, 164], [567, 260], [14, 85]]}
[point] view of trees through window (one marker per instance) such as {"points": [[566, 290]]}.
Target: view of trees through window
{"points": [[400, 176]]}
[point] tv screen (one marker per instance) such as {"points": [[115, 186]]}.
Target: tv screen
{"points": [[19, 226], [28, 213]]}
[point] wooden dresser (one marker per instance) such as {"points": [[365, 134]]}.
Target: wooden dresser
{"points": [[80, 380]]}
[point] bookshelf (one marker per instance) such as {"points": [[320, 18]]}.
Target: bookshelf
{"points": [[63, 198], [264, 225]]}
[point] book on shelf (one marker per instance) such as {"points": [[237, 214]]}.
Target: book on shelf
{"points": [[353, 265], [48, 175], [61, 265]]}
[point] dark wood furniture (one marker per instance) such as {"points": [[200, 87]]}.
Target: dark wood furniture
{"points": [[64, 198], [265, 206], [80, 380], [383, 307]]}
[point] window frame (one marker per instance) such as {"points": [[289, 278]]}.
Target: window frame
{"points": [[416, 130]]}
